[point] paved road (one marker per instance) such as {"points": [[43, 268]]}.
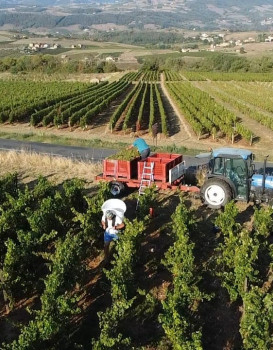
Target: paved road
{"points": [[82, 153], [85, 153]]}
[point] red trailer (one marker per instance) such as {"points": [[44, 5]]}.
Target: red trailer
{"points": [[168, 172]]}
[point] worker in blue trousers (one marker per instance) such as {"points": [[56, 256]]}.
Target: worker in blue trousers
{"points": [[111, 223]]}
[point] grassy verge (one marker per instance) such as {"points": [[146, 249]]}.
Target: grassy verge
{"points": [[61, 140], [31, 165]]}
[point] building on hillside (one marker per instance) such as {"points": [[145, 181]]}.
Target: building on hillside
{"points": [[225, 44], [209, 39], [94, 80], [109, 59], [267, 21], [38, 46], [269, 39], [211, 48], [190, 50], [249, 40], [74, 46]]}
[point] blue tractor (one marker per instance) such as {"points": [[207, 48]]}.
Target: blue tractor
{"points": [[232, 175]]}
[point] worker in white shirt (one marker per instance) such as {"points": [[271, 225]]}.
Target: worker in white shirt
{"points": [[111, 223]]}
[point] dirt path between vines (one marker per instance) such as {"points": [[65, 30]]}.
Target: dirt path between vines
{"points": [[186, 128]]}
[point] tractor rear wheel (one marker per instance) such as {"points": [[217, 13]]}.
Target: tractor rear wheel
{"points": [[117, 188], [216, 193]]}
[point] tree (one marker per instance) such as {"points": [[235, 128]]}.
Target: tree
{"points": [[110, 67]]}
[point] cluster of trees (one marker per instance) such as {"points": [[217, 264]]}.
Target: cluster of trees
{"points": [[158, 39], [51, 64], [28, 20], [134, 19], [216, 62], [84, 10], [196, 14]]}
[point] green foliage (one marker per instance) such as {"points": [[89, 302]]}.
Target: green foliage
{"points": [[45, 236], [182, 301], [212, 117], [18, 104], [30, 222], [43, 188], [57, 304], [48, 64], [126, 154], [98, 105], [121, 108], [147, 307], [141, 108], [249, 99], [90, 220], [14, 214], [73, 104], [263, 221], [120, 276], [146, 201], [143, 37], [8, 185], [237, 262], [35, 249], [256, 322], [132, 107], [152, 107], [237, 255], [162, 113]]}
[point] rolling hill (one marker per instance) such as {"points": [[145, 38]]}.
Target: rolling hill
{"points": [[143, 14]]}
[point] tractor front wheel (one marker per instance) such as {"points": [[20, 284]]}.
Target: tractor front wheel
{"points": [[216, 193]]}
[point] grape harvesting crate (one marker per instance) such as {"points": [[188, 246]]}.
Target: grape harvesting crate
{"points": [[126, 169], [163, 162], [168, 172]]}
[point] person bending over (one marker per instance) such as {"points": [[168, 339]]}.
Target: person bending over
{"points": [[142, 147], [111, 223]]}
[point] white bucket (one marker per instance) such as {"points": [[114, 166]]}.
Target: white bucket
{"points": [[117, 206]]}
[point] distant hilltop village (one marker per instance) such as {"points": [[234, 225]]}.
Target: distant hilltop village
{"points": [[41, 46], [218, 41]]}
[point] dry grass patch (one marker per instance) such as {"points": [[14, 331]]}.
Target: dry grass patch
{"points": [[57, 169]]}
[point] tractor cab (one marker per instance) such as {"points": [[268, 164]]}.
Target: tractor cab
{"points": [[229, 176]]}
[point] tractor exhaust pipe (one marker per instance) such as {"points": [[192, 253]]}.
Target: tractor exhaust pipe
{"points": [[263, 183]]}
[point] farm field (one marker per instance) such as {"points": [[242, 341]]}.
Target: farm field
{"points": [[195, 110], [173, 279], [76, 48]]}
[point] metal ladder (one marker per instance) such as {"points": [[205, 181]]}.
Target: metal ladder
{"points": [[147, 177]]}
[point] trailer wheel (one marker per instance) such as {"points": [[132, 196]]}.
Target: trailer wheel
{"points": [[117, 188], [216, 193]]}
